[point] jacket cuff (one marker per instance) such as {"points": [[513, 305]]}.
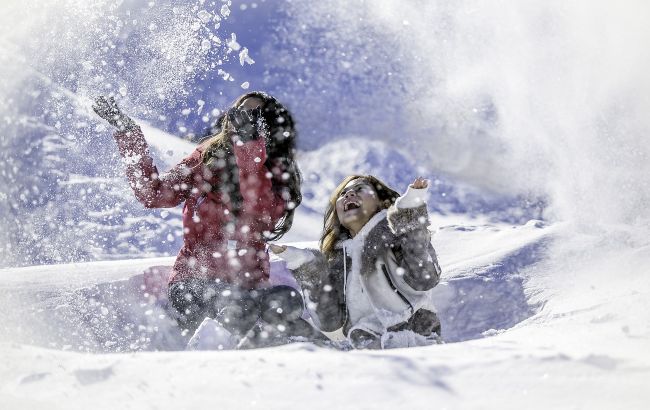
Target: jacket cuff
{"points": [[405, 220], [413, 198], [296, 257]]}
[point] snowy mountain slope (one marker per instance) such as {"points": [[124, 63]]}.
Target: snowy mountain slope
{"points": [[69, 197], [325, 168], [73, 203]]}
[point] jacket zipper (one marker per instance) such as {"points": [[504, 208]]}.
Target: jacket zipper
{"points": [[345, 272], [345, 286], [392, 285]]}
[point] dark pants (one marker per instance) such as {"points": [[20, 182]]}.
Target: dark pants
{"points": [[235, 308]]}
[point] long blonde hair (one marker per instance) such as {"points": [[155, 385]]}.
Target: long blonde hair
{"points": [[333, 231], [280, 149]]}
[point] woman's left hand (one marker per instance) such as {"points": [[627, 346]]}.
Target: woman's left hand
{"points": [[420, 183], [277, 249], [244, 123]]}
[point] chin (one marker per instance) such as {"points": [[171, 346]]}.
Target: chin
{"points": [[346, 222]]}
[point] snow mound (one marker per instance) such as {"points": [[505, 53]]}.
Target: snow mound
{"points": [[122, 306]]}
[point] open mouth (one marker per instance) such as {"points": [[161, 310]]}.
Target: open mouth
{"points": [[351, 205]]}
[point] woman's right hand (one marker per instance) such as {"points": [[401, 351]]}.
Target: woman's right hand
{"points": [[107, 109], [420, 183]]}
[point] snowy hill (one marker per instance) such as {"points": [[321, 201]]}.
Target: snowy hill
{"points": [[325, 167], [121, 305], [75, 205], [70, 199], [536, 337]]}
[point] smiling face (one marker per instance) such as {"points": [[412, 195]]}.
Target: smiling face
{"points": [[356, 204]]}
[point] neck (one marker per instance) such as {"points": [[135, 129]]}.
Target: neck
{"points": [[356, 227], [354, 230]]}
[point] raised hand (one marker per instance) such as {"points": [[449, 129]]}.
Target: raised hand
{"points": [[107, 109], [420, 183], [245, 123]]}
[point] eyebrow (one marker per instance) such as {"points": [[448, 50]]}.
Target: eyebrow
{"points": [[355, 186]]}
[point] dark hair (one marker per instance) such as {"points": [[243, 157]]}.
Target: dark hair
{"points": [[280, 150], [333, 231]]}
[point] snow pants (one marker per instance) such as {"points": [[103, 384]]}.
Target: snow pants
{"points": [[237, 309]]}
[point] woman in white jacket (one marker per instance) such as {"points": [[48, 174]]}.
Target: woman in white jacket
{"points": [[376, 266]]}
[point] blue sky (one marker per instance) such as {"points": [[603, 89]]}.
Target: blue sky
{"points": [[306, 68]]}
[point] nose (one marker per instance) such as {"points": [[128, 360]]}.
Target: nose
{"points": [[349, 194]]}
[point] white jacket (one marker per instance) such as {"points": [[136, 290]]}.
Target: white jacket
{"points": [[376, 280]]}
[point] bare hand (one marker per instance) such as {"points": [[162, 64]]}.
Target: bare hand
{"points": [[420, 183], [277, 249]]}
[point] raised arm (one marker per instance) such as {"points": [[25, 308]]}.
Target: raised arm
{"points": [[151, 188], [409, 220]]}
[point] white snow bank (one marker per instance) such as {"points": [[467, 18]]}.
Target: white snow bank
{"points": [[122, 305], [586, 347]]}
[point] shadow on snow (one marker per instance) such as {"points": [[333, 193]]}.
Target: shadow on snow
{"points": [[492, 299]]}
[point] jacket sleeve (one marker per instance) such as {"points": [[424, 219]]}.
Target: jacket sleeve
{"points": [[322, 286], [409, 220], [262, 206], [307, 265], [154, 190]]}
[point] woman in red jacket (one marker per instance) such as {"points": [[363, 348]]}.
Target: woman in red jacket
{"points": [[240, 188]]}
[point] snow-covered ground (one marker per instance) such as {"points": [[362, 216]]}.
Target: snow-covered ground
{"points": [[522, 332], [529, 118]]}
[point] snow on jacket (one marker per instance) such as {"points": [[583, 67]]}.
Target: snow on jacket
{"points": [[216, 245], [376, 280]]}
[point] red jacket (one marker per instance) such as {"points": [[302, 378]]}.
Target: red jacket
{"points": [[216, 245]]}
